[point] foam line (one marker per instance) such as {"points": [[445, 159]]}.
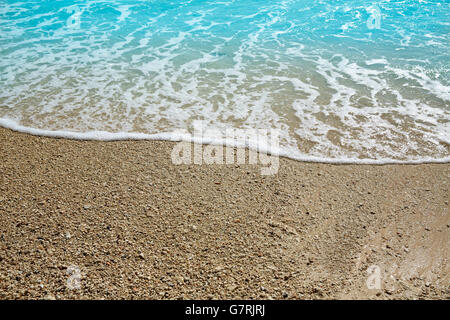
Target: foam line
{"points": [[120, 136]]}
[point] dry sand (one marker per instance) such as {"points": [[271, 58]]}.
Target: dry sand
{"points": [[139, 227]]}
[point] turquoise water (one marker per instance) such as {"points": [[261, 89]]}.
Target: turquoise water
{"points": [[351, 81]]}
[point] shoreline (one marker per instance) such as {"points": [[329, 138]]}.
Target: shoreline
{"points": [[138, 226], [104, 136]]}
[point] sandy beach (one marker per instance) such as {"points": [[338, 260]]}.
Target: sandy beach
{"points": [[136, 226]]}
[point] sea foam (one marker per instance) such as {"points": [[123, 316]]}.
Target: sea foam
{"points": [[336, 90]]}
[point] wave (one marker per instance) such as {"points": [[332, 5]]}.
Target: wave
{"points": [[176, 136]]}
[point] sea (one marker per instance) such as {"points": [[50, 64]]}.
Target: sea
{"points": [[341, 81]]}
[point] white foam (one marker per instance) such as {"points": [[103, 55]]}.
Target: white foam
{"points": [[177, 136], [153, 76]]}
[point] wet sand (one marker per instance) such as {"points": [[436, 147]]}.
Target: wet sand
{"points": [[137, 226]]}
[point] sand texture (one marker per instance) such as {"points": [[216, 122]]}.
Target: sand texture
{"points": [[138, 227]]}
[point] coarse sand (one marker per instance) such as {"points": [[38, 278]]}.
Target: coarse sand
{"points": [[128, 224]]}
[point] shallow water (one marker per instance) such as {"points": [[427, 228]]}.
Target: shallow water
{"points": [[341, 81]]}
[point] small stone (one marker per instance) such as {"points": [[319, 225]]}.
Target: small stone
{"points": [[49, 297], [231, 287], [141, 255], [285, 294], [86, 207]]}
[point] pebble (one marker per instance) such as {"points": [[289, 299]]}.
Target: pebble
{"points": [[231, 287], [389, 291]]}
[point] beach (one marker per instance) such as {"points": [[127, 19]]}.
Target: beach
{"points": [[126, 223]]}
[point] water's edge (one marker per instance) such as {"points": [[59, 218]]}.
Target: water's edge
{"points": [[176, 137]]}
